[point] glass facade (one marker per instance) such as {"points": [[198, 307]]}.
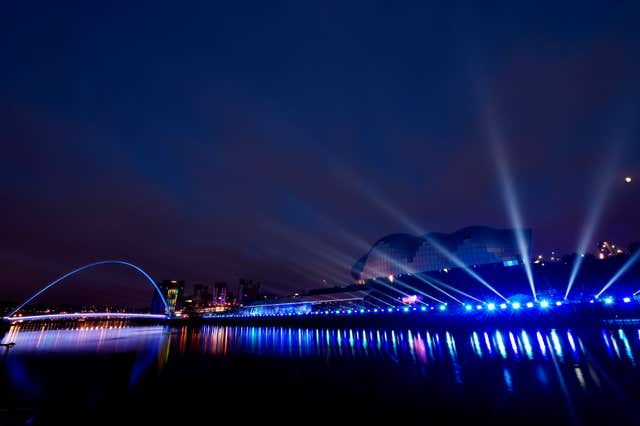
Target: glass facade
{"points": [[399, 254]]}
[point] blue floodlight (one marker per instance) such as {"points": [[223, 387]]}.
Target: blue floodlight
{"points": [[529, 304], [503, 306], [362, 311], [467, 307], [626, 300], [390, 310], [375, 311], [544, 304], [423, 308], [349, 311], [405, 309], [491, 306], [443, 307], [515, 305], [608, 300]]}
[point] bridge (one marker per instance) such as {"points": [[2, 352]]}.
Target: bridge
{"points": [[85, 315], [13, 317]]}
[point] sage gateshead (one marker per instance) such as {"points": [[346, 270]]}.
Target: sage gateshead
{"points": [[400, 254]]}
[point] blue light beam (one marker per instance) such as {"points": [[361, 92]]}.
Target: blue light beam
{"points": [[460, 264], [510, 199], [628, 264], [602, 185]]}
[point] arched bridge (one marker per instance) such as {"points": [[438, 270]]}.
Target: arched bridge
{"points": [[108, 315]]}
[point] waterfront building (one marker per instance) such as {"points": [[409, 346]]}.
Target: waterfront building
{"points": [[399, 254], [173, 291], [249, 291], [220, 294], [202, 298]]}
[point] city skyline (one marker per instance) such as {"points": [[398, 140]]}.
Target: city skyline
{"points": [[279, 145]]}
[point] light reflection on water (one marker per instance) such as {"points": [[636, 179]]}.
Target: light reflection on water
{"points": [[409, 345], [414, 346], [93, 337], [461, 352]]}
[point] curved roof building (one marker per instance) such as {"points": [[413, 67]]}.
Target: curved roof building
{"points": [[399, 254]]}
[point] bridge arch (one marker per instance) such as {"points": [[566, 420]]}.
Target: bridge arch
{"points": [[88, 266]]}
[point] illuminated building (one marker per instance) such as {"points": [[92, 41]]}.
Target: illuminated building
{"points": [[339, 298], [173, 291], [399, 254], [220, 296]]}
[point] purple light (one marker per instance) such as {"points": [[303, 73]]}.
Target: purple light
{"points": [[85, 315]]}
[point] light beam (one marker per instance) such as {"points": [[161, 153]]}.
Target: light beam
{"points": [[510, 199], [460, 264], [628, 264]]}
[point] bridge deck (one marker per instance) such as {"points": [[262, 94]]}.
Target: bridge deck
{"points": [[81, 315]]}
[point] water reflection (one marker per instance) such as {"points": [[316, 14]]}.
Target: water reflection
{"points": [[563, 357], [150, 347], [92, 337]]}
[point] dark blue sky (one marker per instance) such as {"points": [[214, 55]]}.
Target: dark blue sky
{"points": [[218, 140]]}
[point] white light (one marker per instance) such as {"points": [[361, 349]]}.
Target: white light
{"points": [[515, 305], [467, 307], [558, 303], [529, 304], [608, 300], [391, 278], [544, 304], [628, 179], [443, 307], [491, 306], [479, 307], [503, 306], [626, 300]]}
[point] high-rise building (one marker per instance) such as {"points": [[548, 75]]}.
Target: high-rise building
{"points": [[173, 292], [220, 295], [201, 296], [249, 291]]}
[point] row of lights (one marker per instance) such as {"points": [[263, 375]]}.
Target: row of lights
{"points": [[333, 312], [515, 305], [609, 300], [544, 304]]}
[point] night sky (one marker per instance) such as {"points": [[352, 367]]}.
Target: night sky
{"points": [[219, 140]]}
